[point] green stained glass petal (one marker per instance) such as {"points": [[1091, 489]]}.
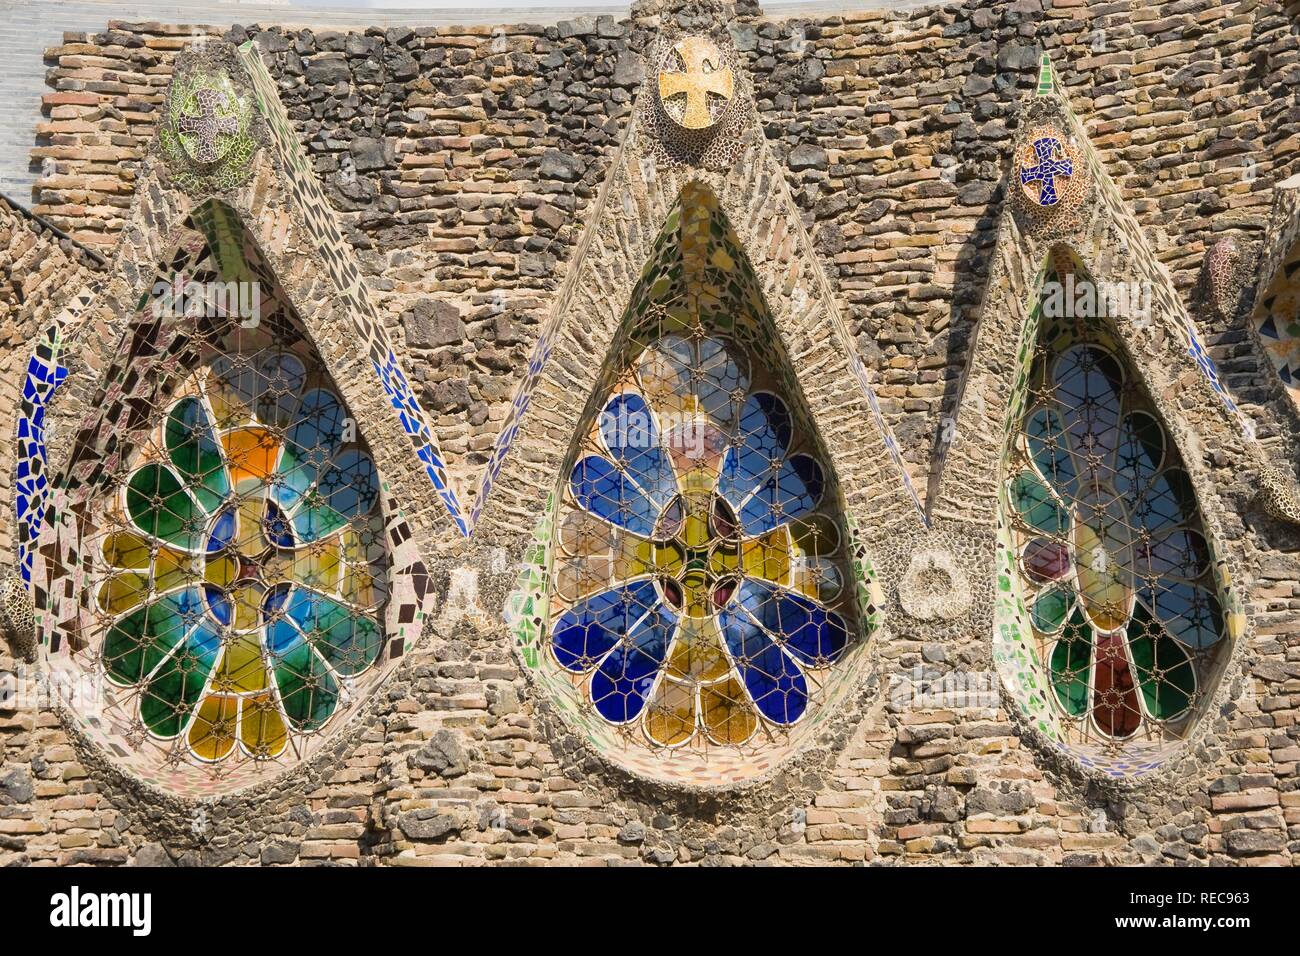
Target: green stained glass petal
{"points": [[1035, 503], [1050, 609], [195, 452], [171, 693], [1071, 662], [136, 644], [161, 508], [308, 690], [347, 639], [1164, 669]]}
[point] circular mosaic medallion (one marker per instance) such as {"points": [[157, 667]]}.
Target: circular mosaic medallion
{"points": [[696, 83], [1050, 173]]}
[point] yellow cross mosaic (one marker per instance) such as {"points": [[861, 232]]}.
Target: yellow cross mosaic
{"points": [[703, 73]]}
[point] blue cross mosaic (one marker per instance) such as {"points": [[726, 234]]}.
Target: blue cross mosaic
{"points": [[1052, 163]]}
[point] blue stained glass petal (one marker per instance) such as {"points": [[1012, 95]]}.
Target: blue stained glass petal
{"points": [[585, 633], [1140, 453], [629, 431], [321, 422], [350, 486], [1190, 613], [1089, 383], [278, 529], [1167, 501], [602, 489], [347, 640], [761, 443], [623, 681], [274, 601], [791, 493], [311, 524], [771, 678], [217, 604], [223, 531], [808, 631]]}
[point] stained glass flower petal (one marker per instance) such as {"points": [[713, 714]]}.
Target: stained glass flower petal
{"points": [[308, 691], [1103, 548], [771, 677], [1115, 703], [1045, 559], [1070, 659], [729, 717], [632, 437], [171, 692], [1031, 498], [1089, 387], [138, 642], [792, 492], [196, 453], [1050, 609], [671, 717], [761, 442], [262, 731], [126, 588], [160, 506], [1181, 553], [587, 631], [1140, 454], [1191, 614], [602, 489], [348, 640], [282, 379], [212, 734], [1166, 676], [1050, 448], [814, 635], [1166, 501], [622, 683]]}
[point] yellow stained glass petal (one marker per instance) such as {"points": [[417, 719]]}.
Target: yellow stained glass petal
{"points": [[122, 591], [220, 570], [670, 719], [250, 534], [697, 651], [247, 603], [261, 727], [212, 735], [768, 556], [1102, 545], [728, 716], [126, 549]]}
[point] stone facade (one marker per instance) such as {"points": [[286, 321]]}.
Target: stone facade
{"points": [[488, 188]]}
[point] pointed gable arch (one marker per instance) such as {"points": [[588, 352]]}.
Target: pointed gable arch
{"points": [[202, 293], [1086, 233]]}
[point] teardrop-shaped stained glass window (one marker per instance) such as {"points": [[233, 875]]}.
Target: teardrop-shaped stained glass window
{"points": [[1113, 573], [239, 570], [703, 593]]}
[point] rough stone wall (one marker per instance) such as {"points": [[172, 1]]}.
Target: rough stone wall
{"points": [[454, 762]]}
